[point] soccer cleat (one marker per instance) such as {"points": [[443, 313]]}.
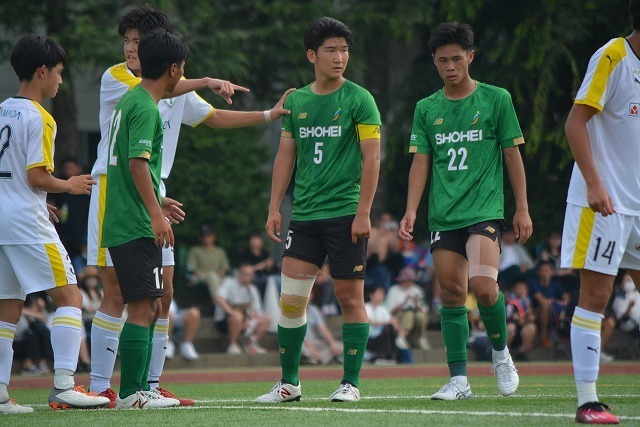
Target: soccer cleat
{"points": [[281, 392], [111, 395], [596, 413], [167, 394], [453, 391], [76, 398], [11, 407], [145, 400], [507, 375], [345, 393]]}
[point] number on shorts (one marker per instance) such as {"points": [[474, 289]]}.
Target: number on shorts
{"points": [[435, 236], [607, 252], [288, 244], [158, 273], [5, 140]]}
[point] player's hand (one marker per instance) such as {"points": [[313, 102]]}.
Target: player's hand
{"points": [[406, 226], [225, 89], [162, 232], [273, 226], [361, 227], [599, 200], [278, 110], [171, 210], [522, 226], [80, 184], [53, 217]]}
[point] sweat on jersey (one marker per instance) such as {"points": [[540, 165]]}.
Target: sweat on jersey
{"points": [[27, 134], [465, 138], [328, 130], [612, 86]]}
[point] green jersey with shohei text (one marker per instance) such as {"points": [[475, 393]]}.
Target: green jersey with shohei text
{"points": [[465, 139], [135, 132], [328, 130]]}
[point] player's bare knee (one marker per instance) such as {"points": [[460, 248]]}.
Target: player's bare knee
{"points": [[66, 296], [453, 296]]}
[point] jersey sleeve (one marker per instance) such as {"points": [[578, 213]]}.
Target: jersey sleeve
{"points": [[40, 140], [595, 89], [509, 133], [141, 129], [419, 142], [116, 81], [287, 120], [196, 110], [366, 112]]}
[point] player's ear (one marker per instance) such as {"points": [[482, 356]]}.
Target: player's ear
{"points": [[472, 54], [41, 72], [172, 69], [312, 56]]}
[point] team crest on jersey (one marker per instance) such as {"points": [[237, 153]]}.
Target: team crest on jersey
{"points": [[634, 109], [336, 115], [475, 118], [169, 102]]}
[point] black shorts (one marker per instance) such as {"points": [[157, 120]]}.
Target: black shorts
{"points": [[138, 265], [456, 240], [313, 241]]}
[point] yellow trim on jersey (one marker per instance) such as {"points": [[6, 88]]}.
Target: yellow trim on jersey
{"points": [[609, 60], [518, 141], [413, 149], [48, 126], [208, 115], [102, 202], [67, 321], [121, 73], [585, 323], [286, 134], [106, 325], [367, 131], [585, 229], [144, 155], [7, 333], [57, 266]]}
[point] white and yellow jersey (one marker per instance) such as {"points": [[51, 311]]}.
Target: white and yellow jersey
{"points": [[189, 109], [27, 133], [612, 86]]}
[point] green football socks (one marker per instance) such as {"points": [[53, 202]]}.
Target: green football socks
{"points": [[290, 346], [145, 376], [134, 349], [455, 334], [355, 336], [495, 322]]}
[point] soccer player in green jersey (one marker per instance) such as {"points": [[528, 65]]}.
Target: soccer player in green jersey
{"points": [[333, 138], [135, 227], [460, 135]]}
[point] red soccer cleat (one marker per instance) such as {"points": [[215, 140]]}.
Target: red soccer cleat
{"points": [[183, 402], [111, 395], [596, 413]]}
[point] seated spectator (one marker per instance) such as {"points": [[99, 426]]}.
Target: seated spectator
{"points": [[549, 299], [186, 321], [515, 261], [521, 321], [319, 345], [325, 297], [32, 341], [207, 262], [406, 303], [626, 306], [550, 251], [258, 257], [478, 339], [383, 328], [239, 310], [384, 258]]}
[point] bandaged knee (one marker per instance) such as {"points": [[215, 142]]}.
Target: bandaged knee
{"points": [[294, 298], [480, 257]]}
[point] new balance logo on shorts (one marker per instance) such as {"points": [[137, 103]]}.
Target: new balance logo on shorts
{"points": [[358, 268]]}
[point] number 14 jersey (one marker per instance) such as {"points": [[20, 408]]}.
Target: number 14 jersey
{"points": [[465, 139]]}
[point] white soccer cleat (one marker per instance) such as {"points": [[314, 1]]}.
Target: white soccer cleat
{"points": [[76, 398], [345, 393], [281, 392], [11, 407], [453, 391], [507, 375], [145, 400]]}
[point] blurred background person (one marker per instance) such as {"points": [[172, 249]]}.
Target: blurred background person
{"points": [[383, 329], [319, 346], [186, 322], [207, 262], [406, 303], [521, 321], [260, 259]]}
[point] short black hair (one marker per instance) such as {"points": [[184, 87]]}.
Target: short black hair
{"points": [[634, 11], [144, 18], [322, 29], [158, 50], [32, 52], [546, 262], [451, 33]]}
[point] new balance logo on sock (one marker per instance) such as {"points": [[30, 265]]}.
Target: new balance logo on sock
{"points": [[595, 350], [352, 352], [112, 351]]}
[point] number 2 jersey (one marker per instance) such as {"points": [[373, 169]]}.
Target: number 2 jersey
{"points": [[328, 130], [465, 138], [27, 134], [612, 86]]}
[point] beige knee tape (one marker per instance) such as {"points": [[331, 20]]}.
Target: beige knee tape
{"points": [[293, 301], [474, 253]]}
